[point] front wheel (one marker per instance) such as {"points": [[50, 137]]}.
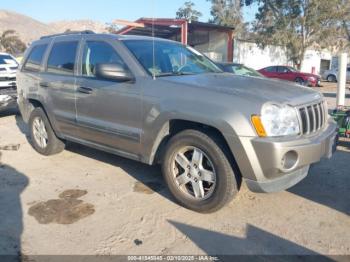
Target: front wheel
{"points": [[300, 81], [198, 173]]}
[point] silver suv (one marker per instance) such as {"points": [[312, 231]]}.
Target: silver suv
{"points": [[157, 101]]}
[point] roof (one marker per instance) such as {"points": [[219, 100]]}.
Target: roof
{"points": [[46, 39], [166, 27]]}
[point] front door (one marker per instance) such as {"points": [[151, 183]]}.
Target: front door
{"points": [[108, 112]]}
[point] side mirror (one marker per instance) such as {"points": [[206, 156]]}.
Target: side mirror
{"points": [[113, 72]]}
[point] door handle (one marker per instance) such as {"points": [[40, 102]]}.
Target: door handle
{"points": [[85, 90], [44, 84]]}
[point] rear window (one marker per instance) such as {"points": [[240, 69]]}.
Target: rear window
{"points": [[35, 58], [62, 58], [271, 69]]}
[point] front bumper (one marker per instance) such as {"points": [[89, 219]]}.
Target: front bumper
{"points": [[283, 163], [315, 83]]}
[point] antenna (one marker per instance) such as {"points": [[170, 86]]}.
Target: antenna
{"points": [[153, 41]]}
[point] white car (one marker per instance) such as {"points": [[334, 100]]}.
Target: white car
{"points": [[8, 69]]}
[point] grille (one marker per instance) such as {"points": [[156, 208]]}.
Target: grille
{"points": [[7, 78], [312, 117]]}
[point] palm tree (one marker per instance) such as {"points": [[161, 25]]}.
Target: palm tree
{"points": [[11, 43]]}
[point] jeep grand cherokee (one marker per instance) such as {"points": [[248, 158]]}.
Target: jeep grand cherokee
{"points": [[158, 101]]}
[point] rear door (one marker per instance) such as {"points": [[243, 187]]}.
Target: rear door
{"points": [[59, 82], [271, 72], [108, 112]]}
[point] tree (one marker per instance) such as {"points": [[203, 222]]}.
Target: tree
{"points": [[228, 13], [343, 8], [188, 12], [11, 43], [298, 24], [112, 28]]}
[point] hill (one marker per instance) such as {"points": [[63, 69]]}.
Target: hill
{"points": [[30, 29]]}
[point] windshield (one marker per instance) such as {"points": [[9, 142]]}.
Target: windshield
{"points": [[6, 59], [245, 71], [170, 58]]}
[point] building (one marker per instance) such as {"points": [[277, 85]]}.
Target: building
{"points": [[213, 40]]}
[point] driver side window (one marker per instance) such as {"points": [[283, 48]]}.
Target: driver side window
{"points": [[98, 52]]}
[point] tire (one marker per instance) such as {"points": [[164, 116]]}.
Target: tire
{"points": [[218, 193], [332, 78], [53, 144], [300, 81]]}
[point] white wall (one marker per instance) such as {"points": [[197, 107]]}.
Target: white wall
{"points": [[312, 59], [251, 55]]}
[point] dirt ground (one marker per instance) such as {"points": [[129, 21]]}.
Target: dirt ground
{"points": [[84, 201]]}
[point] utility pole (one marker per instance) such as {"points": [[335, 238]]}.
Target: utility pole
{"points": [[343, 59]]}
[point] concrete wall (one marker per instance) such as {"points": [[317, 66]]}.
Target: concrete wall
{"points": [[251, 55], [312, 61]]}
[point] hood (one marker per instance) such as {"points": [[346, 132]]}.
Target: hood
{"points": [[309, 75], [254, 88]]}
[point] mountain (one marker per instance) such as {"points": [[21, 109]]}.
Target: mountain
{"points": [[27, 28], [78, 25], [30, 29]]}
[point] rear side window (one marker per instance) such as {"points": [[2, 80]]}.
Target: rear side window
{"points": [[98, 52], [271, 69], [35, 58], [62, 58]]}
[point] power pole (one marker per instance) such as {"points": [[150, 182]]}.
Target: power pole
{"points": [[343, 59]]}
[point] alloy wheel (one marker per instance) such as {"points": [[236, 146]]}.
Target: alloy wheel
{"points": [[40, 132], [194, 173]]}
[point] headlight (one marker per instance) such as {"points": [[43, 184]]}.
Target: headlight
{"points": [[279, 120], [311, 78]]}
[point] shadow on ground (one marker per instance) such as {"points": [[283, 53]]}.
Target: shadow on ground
{"points": [[12, 184], [149, 177], [9, 112], [328, 182], [257, 241]]}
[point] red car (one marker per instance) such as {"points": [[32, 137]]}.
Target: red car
{"points": [[291, 74]]}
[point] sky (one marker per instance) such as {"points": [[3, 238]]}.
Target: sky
{"points": [[105, 10]]}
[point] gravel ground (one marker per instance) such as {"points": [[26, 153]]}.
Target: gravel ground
{"points": [[84, 201]]}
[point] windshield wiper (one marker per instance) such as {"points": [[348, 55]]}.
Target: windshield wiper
{"points": [[174, 74]]}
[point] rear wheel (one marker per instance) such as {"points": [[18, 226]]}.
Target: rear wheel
{"points": [[331, 78], [198, 172], [43, 138]]}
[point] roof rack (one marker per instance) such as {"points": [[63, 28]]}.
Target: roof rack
{"points": [[85, 32]]}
